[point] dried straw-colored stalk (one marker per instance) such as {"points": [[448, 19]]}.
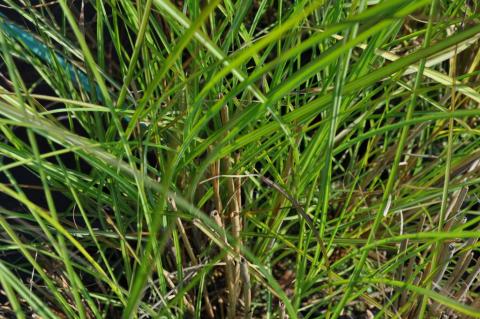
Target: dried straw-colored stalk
{"points": [[234, 204], [233, 216], [215, 171], [229, 270], [247, 294], [283, 314]]}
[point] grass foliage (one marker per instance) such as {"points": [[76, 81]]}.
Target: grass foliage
{"points": [[239, 159]]}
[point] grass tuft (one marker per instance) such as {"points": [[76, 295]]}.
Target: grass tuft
{"points": [[239, 159]]}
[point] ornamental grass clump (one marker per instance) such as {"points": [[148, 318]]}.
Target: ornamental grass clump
{"points": [[239, 159]]}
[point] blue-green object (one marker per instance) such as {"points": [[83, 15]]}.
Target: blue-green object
{"points": [[45, 53], [51, 57]]}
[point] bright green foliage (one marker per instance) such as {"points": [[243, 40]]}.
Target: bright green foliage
{"points": [[168, 159]]}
